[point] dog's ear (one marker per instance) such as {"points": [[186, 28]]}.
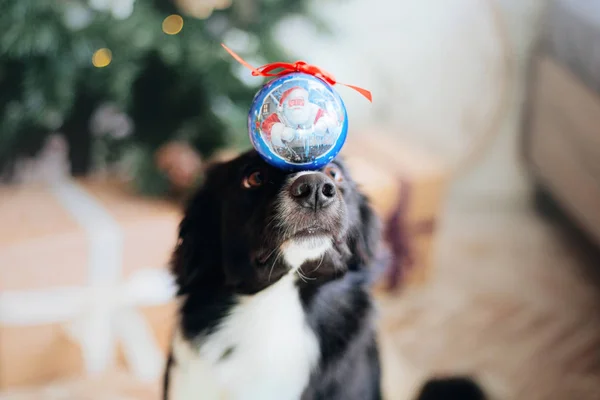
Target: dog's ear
{"points": [[367, 240], [197, 258]]}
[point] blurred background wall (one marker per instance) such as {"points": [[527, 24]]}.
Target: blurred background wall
{"points": [[442, 76], [449, 78]]}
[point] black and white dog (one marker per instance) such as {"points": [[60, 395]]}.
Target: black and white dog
{"points": [[274, 271], [274, 267]]}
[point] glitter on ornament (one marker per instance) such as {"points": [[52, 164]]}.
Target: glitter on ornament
{"points": [[297, 121]]}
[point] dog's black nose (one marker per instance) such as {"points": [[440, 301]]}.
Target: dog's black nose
{"points": [[313, 190]]}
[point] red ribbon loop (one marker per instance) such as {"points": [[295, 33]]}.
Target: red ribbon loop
{"points": [[283, 68]]}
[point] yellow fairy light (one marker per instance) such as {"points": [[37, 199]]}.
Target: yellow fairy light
{"points": [[101, 58], [172, 25]]}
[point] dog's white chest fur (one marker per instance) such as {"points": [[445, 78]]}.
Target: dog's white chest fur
{"points": [[264, 350]]}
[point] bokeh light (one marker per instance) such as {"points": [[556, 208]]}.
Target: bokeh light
{"points": [[172, 25], [101, 58], [222, 4]]}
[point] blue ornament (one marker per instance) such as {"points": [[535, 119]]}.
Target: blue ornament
{"points": [[298, 122]]}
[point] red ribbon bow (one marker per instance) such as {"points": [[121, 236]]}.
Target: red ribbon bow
{"points": [[299, 66]]}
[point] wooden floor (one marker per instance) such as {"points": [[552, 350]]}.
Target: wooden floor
{"points": [[511, 301]]}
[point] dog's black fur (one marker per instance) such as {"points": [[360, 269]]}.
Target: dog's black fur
{"points": [[228, 243]]}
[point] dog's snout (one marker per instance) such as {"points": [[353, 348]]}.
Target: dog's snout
{"points": [[313, 190]]}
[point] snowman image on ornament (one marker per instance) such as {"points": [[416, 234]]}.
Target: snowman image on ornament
{"points": [[299, 129]]}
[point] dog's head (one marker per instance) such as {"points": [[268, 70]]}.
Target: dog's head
{"points": [[250, 224]]}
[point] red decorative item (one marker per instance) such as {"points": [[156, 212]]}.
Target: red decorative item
{"points": [[284, 68]]}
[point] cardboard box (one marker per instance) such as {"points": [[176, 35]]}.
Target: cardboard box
{"points": [[84, 284], [406, 188]]}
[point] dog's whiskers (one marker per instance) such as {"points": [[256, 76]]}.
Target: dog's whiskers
{"points": [[274, 221], [271, 253], [304, 278], [301, 277], [320, 262], [273, 265]]}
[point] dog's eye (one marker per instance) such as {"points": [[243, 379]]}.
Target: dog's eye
{"points": [[334, 173], [254, 180]]}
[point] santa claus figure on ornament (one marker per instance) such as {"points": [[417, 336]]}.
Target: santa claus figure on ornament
{"points": [[297, 120], [301, 134]]}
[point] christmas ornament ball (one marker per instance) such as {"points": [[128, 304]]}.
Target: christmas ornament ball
{"points": [[298, 122]]}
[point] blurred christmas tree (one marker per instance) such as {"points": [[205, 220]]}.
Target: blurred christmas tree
{"points": [[131, 81]]}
